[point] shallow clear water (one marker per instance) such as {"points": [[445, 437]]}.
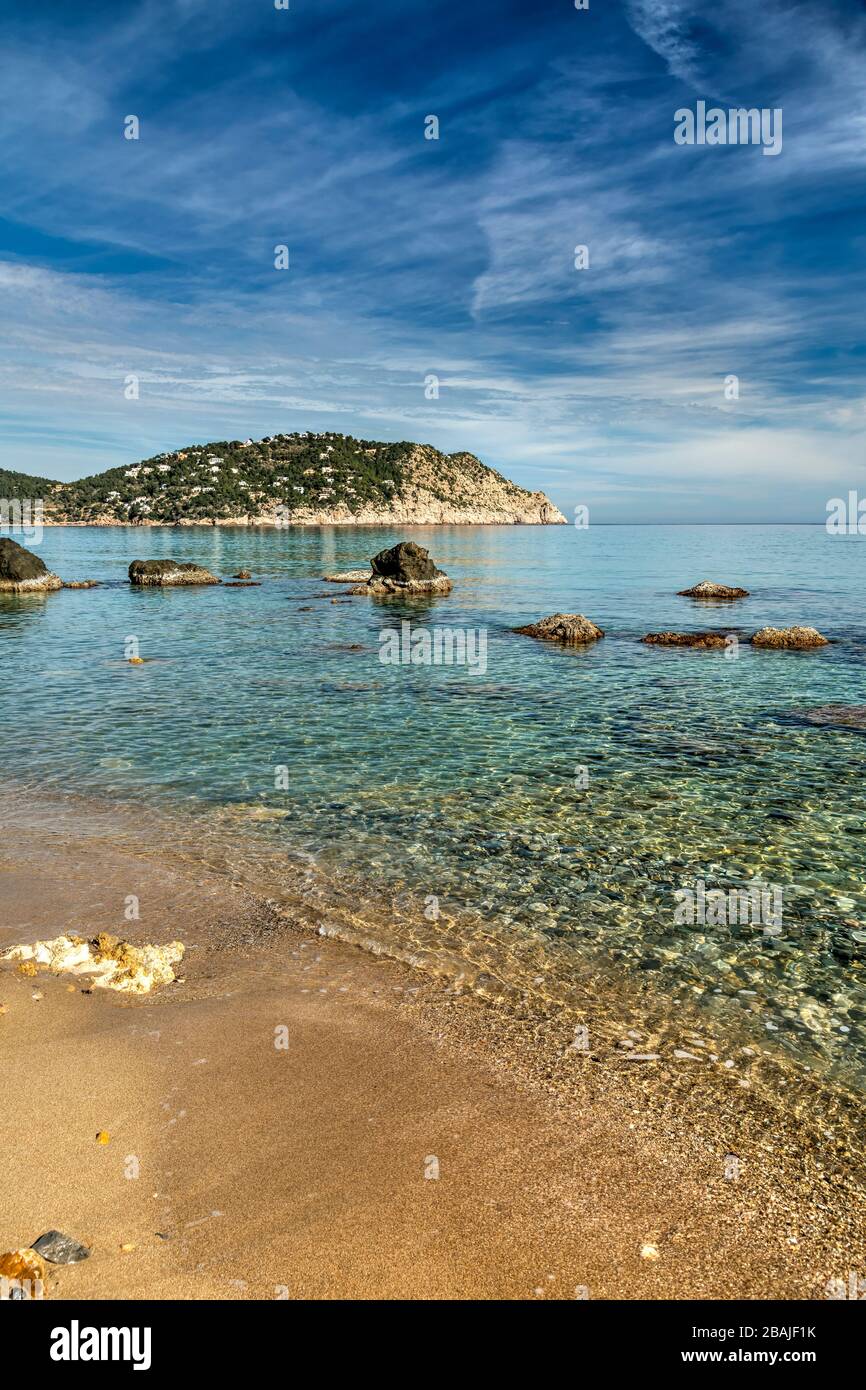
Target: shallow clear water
{"points": [[434, 788]]}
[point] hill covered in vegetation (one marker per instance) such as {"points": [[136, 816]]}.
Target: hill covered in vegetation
{"points": [[289, 479]]}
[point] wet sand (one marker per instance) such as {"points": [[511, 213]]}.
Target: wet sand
{"points": [[310, 1171]]}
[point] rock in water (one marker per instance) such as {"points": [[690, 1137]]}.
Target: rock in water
{"points": [[405, 569], [838, 716], [572, 628], [349, 577], [242, 574], [796, 637], [708, 589], [22, 572], [404, 562], [685, 639], [160, 572], [59, 1249]]}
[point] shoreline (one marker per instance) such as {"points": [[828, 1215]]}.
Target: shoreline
{"points": [[555, 1167], [264, 524]]}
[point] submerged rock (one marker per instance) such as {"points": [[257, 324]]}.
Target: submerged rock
{"points": [[572, 628], [114, 964], [22, 572], [685, 639], [842, 716], [405, 569], [81, 584], [707, 588], [59, 1249], [797, 637], [159, 572]]}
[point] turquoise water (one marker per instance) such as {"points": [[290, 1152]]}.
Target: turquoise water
{"points": [[430, 787]]}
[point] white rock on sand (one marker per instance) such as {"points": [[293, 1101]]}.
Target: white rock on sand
{"points": [[113, 964]]}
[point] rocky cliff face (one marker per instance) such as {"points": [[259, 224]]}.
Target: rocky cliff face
{"points": [[441, 489], [296, 480]]}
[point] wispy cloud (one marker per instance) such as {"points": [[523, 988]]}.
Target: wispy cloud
{"points": [[454, 257]]}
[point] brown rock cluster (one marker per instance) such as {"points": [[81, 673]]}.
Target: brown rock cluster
{"points": [[571, 628], [158, 573], [685, 639], [707, 588], [793, 637]]}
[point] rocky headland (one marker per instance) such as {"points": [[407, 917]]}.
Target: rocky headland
{"points": [[303, 479]]}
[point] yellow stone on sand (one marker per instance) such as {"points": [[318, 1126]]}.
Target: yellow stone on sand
{"points": [[23, 1266], [113, 964]]}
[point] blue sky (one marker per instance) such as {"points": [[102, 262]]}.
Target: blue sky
{"points": [[454, 257]]}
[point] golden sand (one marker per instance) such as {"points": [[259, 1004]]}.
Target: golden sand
{"points": [[298, 1119]]}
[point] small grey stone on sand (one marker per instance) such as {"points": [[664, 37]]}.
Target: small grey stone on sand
{"points": [[59, 1249]]}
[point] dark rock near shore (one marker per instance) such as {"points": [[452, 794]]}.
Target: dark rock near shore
{"points": [[571, 628], [708, 589], [405, 569], [22, 572], [404, 562], [161, 572], [685, 639]]}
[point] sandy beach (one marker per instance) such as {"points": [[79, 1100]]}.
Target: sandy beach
{"points": [[409, 1141], [432, 545]]}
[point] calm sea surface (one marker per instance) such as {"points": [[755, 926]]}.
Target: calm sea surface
{"points": [[456, 797]]}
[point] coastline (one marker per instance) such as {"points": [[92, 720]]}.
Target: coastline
{"points": [[268, 523], [263, 1170]]}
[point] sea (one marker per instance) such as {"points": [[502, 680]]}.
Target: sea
{"points": [[523, 817]]}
